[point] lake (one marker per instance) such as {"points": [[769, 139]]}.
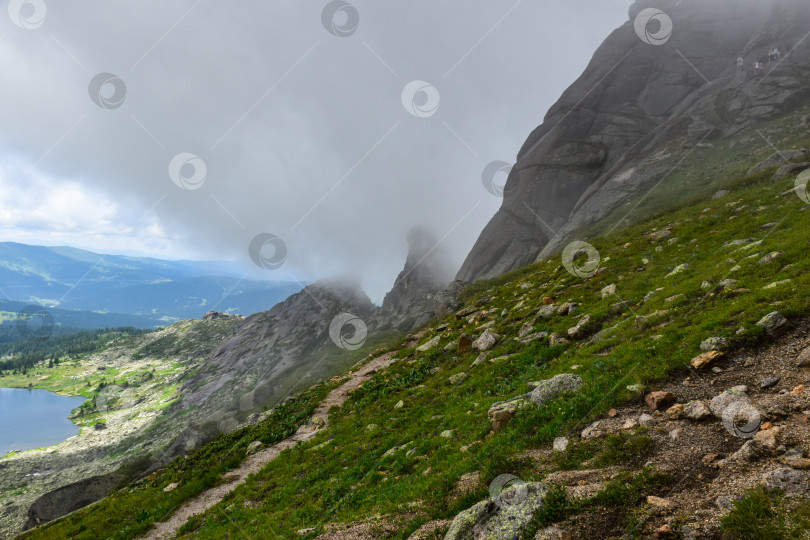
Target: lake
{"points": [[34, 418]]}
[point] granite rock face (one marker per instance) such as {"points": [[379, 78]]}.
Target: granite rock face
{"points": [[636, 112]]}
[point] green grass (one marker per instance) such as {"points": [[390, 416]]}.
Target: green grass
{"points": [[346, 473], [763, 515], [133, 510]]}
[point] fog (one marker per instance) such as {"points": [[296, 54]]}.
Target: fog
{"points": [[185, 129]]}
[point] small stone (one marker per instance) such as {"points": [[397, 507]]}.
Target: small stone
{"points": [[770, 257], [304, 532], [714, 343], [803, 360], [675, 412], [399, 404], [551, 388], [696, 411], [560, 444], [724, 503], [658, 502], [458, 378], [678, 269], [636, 388], [547, 301], [655, 400], [612, 413], [555, 340], [447, 434], [253, 447], [592, 431], [646, 420], [486, 341], [171, 487], [775, 324], [629, 424], [706, 359], [465, 342], [429, 344], [769, 382], [675, 433], [610, 290], [798, 390]]}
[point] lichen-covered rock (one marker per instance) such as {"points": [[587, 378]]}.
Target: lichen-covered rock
{"points": [[486, 341], [507, 516], [551, 388], [775, 324]]}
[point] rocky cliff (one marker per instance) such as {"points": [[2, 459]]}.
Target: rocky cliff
{"points": [[409, 303], [660, 87]]}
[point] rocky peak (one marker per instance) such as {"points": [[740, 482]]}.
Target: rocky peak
{"points": [[644, 103], [409, 303]]}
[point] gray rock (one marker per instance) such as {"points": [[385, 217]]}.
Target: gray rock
{"points": [[551, 388], [560, 444], [721, 193], [714, 344], [597, 150], [790, 170], [486, 341], [769, 382], [253, 447], [722, 401], [803, 360], [770, 257], [777, 159], [696, 411], [790, 481], [507, 516], [775, 324]]}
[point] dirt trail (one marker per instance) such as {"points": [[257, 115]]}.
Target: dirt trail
{"points": [[257, 461]]}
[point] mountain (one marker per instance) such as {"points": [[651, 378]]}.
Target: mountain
{"points": [[159, 291], [409, 303], [647, 103]]}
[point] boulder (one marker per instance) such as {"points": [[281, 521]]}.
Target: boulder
{"points": [[790, 170], [549, 389], [486, 341], [507, 515], [778, 159], [792, 482], [774, 323], [722, 401]]}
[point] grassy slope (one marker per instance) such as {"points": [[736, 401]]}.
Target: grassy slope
{"points": [[343, 475]]}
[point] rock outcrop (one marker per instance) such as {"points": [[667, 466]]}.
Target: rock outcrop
{"points": [[647, 101], [410, 303]]}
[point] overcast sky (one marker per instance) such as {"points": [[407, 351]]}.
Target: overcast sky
{"points": [[303, 134]]}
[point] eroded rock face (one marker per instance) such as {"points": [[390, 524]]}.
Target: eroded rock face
{"points": [[636, 111]]}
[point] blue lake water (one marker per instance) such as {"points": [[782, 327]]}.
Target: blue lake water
{"points": [[34, 418]]}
